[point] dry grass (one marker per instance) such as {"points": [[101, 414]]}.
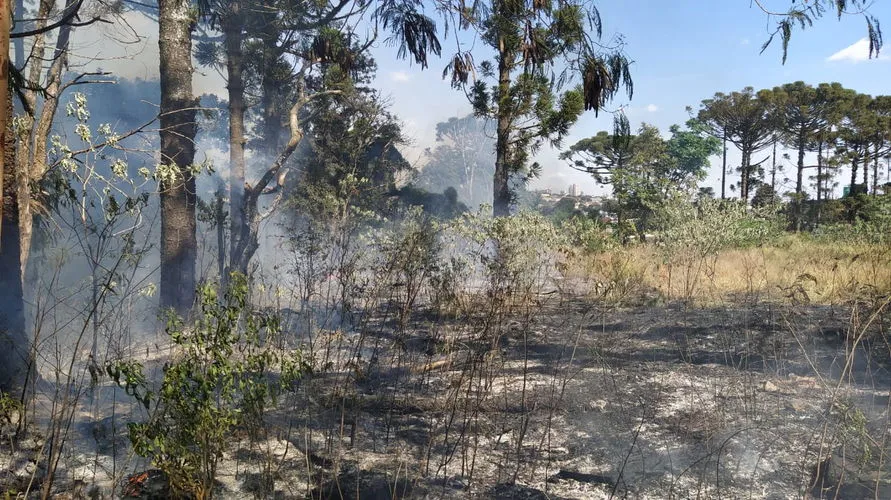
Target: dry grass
{"points": [[796, 268]]}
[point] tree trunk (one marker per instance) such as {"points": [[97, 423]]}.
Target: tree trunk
{"points": [[854, 165], [866, 170], [272, 119], [178, 129], [799, 181], [220, 216], [15, 360], [501, 182], [232, 30], [773, 168], [27, 169], [5, 23], [744, 176], [248, 241], [820, 172], [724, 168], [37, 166], [819, 182], [14, 343]]}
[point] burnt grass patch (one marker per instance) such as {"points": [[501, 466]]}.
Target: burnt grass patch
{"points": [[580, 401]]}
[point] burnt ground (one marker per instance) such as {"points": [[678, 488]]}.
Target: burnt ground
{"points": [[741, 401], [571, 399]]}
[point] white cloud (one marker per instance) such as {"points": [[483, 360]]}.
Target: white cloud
{"points": [[856, 52], [652, 108], [744, 41], [399, 76]]}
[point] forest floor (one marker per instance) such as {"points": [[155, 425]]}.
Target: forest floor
{"points": [[570, 400]]}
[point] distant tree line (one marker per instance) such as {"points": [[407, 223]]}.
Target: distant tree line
{"points": [[843, 128]]}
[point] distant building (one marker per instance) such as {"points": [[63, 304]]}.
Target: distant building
{"points": [[573, 190]]}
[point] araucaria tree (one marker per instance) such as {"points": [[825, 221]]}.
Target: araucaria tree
{"points": [[855, 136], [803, 13], [604, 153], [748, 121], [549, 67], [802, 115], [178, 128]]}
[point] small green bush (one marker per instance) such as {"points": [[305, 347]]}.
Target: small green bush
{"points": [[225, 372]]}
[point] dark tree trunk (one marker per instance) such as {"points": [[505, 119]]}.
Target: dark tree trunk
{"points": [[819, 182], [854, 165], [501, 182], [745, 175], [15, 347], [5, 102], [799, 181], [866, 170], [248, 241], [178, 129], [272, 118], [31, 155], [773, 169], [724, 169], [875, 173], [232, 29], [820, 172]]}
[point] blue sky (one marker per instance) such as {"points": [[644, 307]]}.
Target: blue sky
{"points": [[684, 51]]}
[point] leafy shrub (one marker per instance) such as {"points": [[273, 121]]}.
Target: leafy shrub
{"points": [[872, 226], [712, 225], [517, 253], [408, 255], [224, 374], [588, 235]]}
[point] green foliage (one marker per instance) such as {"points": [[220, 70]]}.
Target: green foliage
{"points": [[872, 225], [604, 153], [352, 158], [227, 369], [516, 253], [692, 235], [803, 13], [548, 69], [408, 255], [443, 206], [644, 169], [689, 151], [588, 235], [765, 196], [10, 408], [713, 225]]}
